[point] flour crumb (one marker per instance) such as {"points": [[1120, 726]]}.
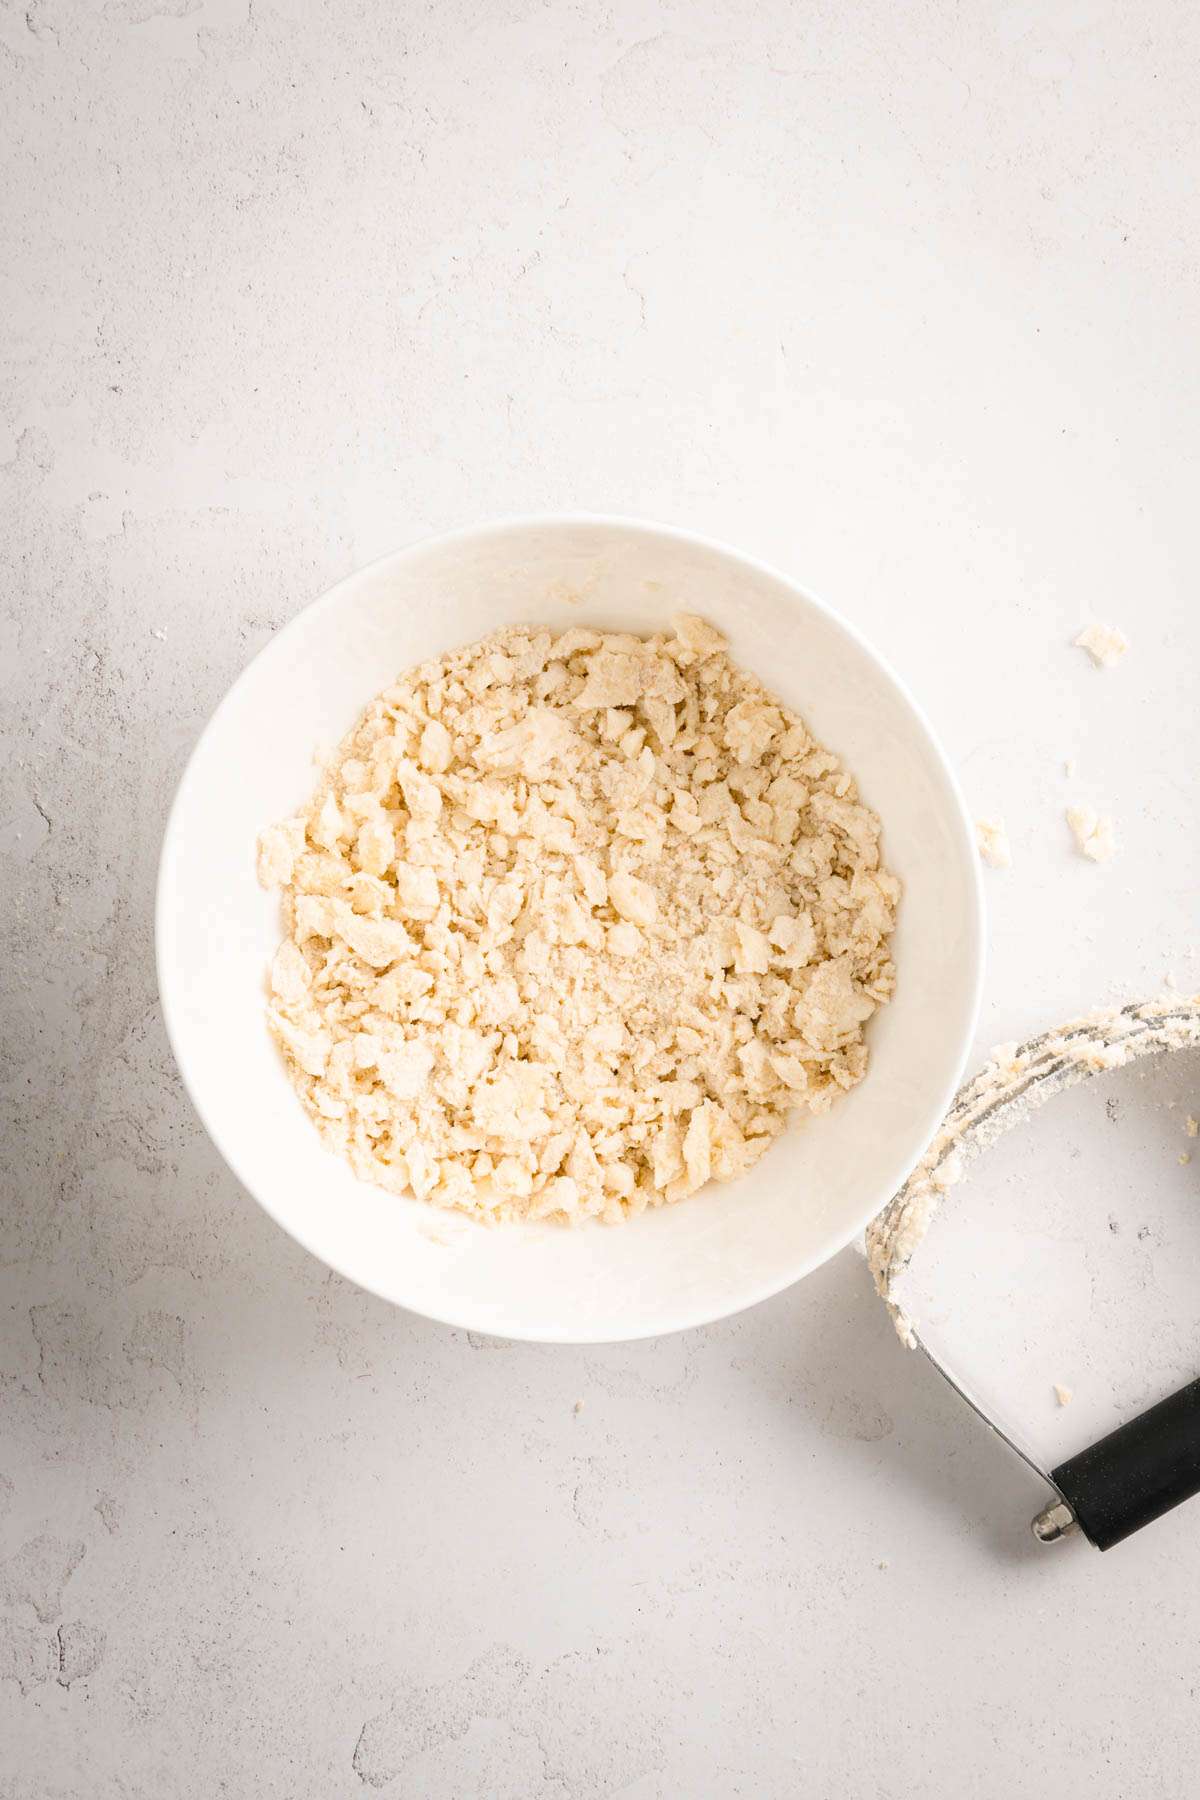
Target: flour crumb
{"points": [[1105, 644], [1064, 1395], [948, 1172], [994, 846], [1097, 1058], [574, 924], [1094, 835]]}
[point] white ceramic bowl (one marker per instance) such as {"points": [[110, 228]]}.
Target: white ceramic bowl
{"points": [[724, 1248]]}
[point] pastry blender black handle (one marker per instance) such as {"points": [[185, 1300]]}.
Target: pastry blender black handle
{"points": [[1135, 1474]]}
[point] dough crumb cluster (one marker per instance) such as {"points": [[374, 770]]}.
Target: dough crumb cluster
{"points": [[1105, 644], [994, 846], [1094, 835], [573, 924]]}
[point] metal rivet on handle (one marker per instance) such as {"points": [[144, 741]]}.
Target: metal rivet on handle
{"points": [[1054, 1522]]}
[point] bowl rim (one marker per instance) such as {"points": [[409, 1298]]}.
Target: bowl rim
{"points": [[498, 528]]}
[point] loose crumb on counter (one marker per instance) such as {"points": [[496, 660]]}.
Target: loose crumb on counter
{"points": [[994, 846], [1094, 834], [1105, 644]]}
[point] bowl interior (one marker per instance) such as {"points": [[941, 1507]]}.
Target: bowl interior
{"points": [[723, 1248]]}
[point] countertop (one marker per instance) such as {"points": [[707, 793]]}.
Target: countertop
{"points": [[903, 299]]}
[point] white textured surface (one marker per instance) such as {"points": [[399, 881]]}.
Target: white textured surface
{"points": [[903, 298]]}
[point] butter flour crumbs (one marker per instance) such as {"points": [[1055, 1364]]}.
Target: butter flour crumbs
{"points": [[574, 923]]}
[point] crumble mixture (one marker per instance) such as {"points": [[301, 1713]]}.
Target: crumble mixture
{"points": [[574, 923]]}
